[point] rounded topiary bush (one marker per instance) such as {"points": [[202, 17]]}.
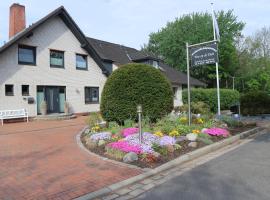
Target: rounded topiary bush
{"points": [[134, 84]]}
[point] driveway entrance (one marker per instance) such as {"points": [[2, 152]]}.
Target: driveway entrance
{"points": [[41, 160]]}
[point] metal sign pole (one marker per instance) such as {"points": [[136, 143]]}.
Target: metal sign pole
{"points": [[217, 75], [188, 86], [218, 93]]}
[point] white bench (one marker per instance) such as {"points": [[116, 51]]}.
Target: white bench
{"points": [[13, 114]]}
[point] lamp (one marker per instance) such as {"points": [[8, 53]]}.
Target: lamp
{"points": [[139, 111]]}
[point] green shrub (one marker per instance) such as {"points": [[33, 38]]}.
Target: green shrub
{"points": [[196, 107], [134, 84], [254, 103], [231, 122], [228, 97]]}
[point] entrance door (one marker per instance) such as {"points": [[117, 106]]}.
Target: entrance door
{"points": [[52, 99]]}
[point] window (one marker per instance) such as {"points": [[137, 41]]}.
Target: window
{"points": [[91, 95], [56, 58], [26, 55], [9, 90], [25, 90], [81, 62]]}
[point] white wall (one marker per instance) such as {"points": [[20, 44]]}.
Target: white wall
{"points": [[178, 97], [54, 34]]}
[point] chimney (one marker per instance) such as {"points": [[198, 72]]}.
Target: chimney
{"points": [[16, 19]]}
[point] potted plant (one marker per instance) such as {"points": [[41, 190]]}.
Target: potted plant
{"points": [[43, 108], [66, 108]]}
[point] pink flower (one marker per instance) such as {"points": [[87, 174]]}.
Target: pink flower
{"points": [[216, 132], [129, 131], [125, 147]]}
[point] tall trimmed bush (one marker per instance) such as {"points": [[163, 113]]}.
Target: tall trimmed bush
{"points": [[228, 97], [134, 84], [255, 103]]}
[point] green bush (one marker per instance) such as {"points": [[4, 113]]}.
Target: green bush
{"points": [[255, 102], [196, 108], [134, 84], [228, 97]]}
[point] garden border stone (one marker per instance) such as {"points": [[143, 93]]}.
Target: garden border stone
{"points": [[150, 172]]}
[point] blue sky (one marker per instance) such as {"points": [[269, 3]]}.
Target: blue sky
{"points": [[129, 22]]}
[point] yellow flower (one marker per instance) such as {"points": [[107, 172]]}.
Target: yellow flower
{"points": [[158, 133], [183, 120], [95, 129], [200, 121], [196, 131], [174, 133]]}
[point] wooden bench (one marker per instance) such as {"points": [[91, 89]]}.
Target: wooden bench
{"points": [[13, 114]]}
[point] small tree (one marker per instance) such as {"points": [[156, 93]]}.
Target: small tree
{"points": [[134, 84]]}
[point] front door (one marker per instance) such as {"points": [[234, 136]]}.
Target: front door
{"points": [[52, 99]]}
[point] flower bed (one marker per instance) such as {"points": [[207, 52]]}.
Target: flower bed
{"points": [[161, 142]]}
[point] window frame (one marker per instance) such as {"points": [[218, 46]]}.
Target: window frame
{"points": [[28, 90], [83, 55], [33, 48], [11, 93], [57, 66], [90, 97]]}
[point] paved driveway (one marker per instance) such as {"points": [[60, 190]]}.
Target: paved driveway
{"points": [[241, 174], [41, 160]]}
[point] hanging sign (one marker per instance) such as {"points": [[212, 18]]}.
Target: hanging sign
{"points": [[204, 55]]}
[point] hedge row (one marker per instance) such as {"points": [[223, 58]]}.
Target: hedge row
{"points": [[255, 103], [228, 97]]}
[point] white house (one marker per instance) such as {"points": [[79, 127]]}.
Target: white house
{"points": [[53, 60]]}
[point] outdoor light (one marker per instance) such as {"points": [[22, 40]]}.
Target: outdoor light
{"points": [[139, 111]]}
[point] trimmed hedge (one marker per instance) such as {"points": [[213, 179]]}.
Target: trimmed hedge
{"points": [[134, 84], [255, 103], [228, 97]]}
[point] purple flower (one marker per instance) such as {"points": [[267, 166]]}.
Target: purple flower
{"points": [[167, 140], [148, 140], [101, 136]]}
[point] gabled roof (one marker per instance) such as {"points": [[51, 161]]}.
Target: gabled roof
{"points": [[67, 19], [122, 55]]}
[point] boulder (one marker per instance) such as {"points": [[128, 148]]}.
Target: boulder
{"points": [[101, 143], [130, 157], [192, 136], [193, 144], [170, 148], [87, 131], [90, 143], [156, 154]]}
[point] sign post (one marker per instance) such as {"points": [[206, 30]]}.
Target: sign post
{"points": [[204, 53], [188, 86]]}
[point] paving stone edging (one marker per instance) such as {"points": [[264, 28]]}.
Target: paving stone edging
{"points": [[186, 157]]}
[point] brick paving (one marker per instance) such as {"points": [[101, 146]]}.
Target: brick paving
{"points": [[41, 160]]}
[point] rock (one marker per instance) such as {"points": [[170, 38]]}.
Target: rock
{"points": [[192, 136], [101, 142], [180, 138], [87, 131], [90, 143], [156, 154], [170, 148], [193, 144], [130, 157]]}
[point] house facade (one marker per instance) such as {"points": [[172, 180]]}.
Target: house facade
{"points": [[53, 61]]}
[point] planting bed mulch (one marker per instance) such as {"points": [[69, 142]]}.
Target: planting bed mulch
{"points": [[100, 150]]}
